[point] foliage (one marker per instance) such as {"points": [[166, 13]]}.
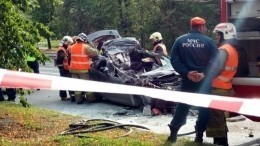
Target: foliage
{"points": [[23, 5], [136, 18], [174, 17], [23, 99], [74, 17], [43, 13], [18, 36]]}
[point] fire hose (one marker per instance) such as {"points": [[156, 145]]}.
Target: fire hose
{"points": [[95, 125]]}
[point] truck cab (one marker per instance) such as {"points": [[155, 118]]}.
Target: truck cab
{"points": [[245, 15]]}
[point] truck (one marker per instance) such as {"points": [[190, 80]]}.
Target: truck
{"points": [[245, 15]]}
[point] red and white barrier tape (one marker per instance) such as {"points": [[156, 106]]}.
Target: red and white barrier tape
{"points": [[246, 81], [37, 81]]}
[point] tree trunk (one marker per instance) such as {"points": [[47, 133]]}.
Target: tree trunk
{"points": [[49, 42], [142, 34], [124, 23], [120, 9]]}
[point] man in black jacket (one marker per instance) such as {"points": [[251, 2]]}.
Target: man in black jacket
{"points": [[192, 57]]}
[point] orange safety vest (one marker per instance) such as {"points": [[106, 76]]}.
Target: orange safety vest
{"points": [[65, 62], [162, 46], [223, 81], [79, 58]]}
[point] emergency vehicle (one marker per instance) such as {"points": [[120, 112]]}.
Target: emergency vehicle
{"points": [[245, 15]]}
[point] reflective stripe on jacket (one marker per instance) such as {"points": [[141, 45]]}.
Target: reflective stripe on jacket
{"points": [[162, 46], [65, 62], [30, 58], [223, 81], [79, 58]]}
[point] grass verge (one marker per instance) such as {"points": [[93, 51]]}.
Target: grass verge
{"points": [[35, 126]]}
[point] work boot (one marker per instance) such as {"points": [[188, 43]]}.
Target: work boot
{"points": [[11, 99], [72, 99], [223, 141], [199, 136], [173, 135], [2, 98], [64, 98]]}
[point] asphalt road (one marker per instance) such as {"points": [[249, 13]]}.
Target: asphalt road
{"points": [[238, 131]]}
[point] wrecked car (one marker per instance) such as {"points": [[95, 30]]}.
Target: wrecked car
{"points": [[123, 61]]}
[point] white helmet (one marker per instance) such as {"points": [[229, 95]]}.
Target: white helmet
{"points": [[228, 30], [156, 36], [66, 40], [83, 37]]}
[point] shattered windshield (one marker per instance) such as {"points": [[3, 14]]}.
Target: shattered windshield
{"points": [[120, 45]]}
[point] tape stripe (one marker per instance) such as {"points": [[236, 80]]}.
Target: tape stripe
{"points": [[11, 79], [251, 107], [246, 81], [33, 81], [2, 73], [226, 105]]}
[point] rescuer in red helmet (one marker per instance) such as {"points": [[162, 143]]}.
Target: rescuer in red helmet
{"points": [[62, 62]]}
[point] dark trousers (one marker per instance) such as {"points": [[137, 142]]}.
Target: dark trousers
{"points": [[65, 73], [11, 94], [217, 126], [181, 113], [182, 110], [34, 65]]}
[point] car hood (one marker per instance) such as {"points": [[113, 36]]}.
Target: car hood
{"points": [[102, 36]]}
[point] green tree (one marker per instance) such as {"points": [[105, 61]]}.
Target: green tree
{"points": [[18, 35], [174, 17], [138, 18], [43, 13], [75, 16], [143, 16]]}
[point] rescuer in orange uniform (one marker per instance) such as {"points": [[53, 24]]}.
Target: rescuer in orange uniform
{"points": [[80, 55], [228, 63], [158, 105], [62, 62]]}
